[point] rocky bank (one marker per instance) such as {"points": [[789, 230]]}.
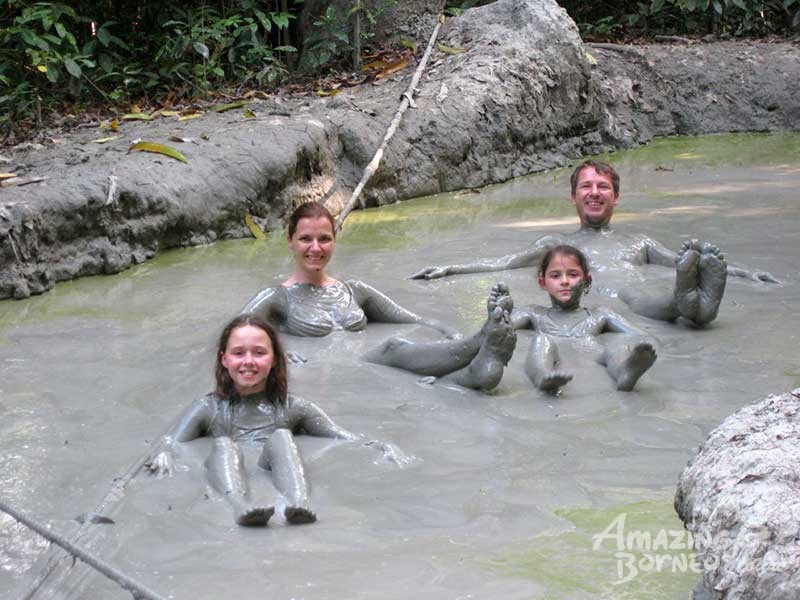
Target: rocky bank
{"points": [[740, 499], [527, 96]]}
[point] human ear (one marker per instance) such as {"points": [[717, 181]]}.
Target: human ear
{"points": [[541, 282]]}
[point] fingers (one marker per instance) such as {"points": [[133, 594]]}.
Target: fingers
{"points": [[430, 273]]}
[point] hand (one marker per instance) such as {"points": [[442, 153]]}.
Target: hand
{"points": [[296, 358], [161, 465], [431, 273], [763, 276], [391, 453], [449, 332]]}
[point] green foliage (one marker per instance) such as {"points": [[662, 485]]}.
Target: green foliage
{"points": [[52, 53], [648, 17], [454, 9], [333, 36]]}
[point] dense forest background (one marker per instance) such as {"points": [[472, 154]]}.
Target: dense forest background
{"points": [[70, 57]]}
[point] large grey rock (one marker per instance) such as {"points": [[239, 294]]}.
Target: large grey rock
{"points": [[740, 498]]}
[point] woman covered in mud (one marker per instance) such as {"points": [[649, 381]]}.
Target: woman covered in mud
{"points": [[311, 302], [251, 404], [478, 361]]}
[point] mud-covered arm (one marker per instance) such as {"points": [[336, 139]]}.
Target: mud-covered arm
{"points": [[192, 424], [527, 258], [271, 304], [307, 417], [377, 306], [658, 254], [522, 318], [615, 323], [752, 274]]}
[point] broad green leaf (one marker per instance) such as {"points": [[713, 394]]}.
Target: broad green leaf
{"points": [[136, 116], [718, 7], [201, 49], [158, 149], [449, 50], [739, 4], [229, 106], [72, 67], [60, 30], [409, 44], [106, 63], [104, 36], [257, 232], [281, 20]]}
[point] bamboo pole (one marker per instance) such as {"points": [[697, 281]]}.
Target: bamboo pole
{"points": [[408, 100]]}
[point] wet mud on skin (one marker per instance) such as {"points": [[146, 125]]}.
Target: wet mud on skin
{"points": [[506, 489]]}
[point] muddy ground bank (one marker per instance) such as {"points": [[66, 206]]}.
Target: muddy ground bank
{"points": [[527, 96]]}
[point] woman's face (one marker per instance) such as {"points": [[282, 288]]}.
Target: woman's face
{"points": [[563, 273], [312, 243], [248, 357]]}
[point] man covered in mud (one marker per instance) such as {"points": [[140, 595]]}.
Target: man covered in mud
{"points": [[701, 270]]}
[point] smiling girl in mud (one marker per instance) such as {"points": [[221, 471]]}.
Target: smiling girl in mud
{"points": [[311, 302], [251, 404]]}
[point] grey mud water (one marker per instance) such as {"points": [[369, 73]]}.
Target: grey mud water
{"points": [[508, 488]]}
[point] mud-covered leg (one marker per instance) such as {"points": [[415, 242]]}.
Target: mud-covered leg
{"points": [[426, 358], [626, 358], [542, 365], [281, 456], [713, 277], [225, 470]]}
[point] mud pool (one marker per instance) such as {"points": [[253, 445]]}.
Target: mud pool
{"points": [[506, 490]]}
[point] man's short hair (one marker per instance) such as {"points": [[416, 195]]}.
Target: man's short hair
{"points": [[600, 167]]}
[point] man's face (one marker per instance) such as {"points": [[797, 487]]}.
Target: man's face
{"points": [[594, 198]]}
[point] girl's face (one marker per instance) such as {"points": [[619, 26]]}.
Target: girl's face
{"points": [[561, 276], [312, 243], [248, 357]]}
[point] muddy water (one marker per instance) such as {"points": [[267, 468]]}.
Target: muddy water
{"points": [[506, 490]]}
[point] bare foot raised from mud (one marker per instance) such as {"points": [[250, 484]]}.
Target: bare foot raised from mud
{"points": [[485, 371], [701, 274], [632, 366], [552, 382], [254, 516], [713, 277], [298, 515]]}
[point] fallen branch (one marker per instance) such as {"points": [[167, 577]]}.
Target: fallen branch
{"points": [[407, 100], [138, 590]]}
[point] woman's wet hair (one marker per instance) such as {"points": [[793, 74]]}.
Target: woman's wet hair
{"points": [[277, 385], [599, 166], [566, 250], [309, 210]]}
